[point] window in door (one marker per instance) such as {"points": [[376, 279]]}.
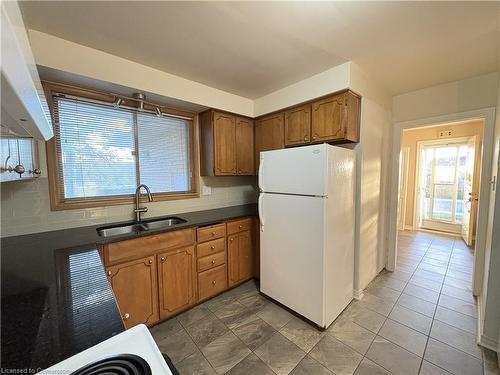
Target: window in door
{"points": [[442, 184]]}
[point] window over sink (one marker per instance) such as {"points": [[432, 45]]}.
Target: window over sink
{"points": [[101, 152]]}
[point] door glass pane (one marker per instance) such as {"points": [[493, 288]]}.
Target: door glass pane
{"points": [[428, 156], [445, 160], [443, 202]]}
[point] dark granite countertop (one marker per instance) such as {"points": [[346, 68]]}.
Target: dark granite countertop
{"points": [[56, 300]]}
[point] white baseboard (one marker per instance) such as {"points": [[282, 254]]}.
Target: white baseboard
{"points": [[358, 294]]}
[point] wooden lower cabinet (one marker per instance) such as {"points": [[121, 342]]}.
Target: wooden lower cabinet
{"points": [[212, 282], [135, 287], [176, 280], [240, 257]]}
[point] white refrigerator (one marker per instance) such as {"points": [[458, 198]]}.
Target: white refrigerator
{"points": [[306, 211]]}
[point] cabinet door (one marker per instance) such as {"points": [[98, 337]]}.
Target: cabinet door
{"points": [[298, 126], [177, 280], [232, 260], [245, 256], [224, 144], [329, 119], [269, 135], [244, 147], [135, 287]]}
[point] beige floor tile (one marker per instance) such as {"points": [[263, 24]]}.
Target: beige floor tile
{"points": [[404, 336], [393, 358], [411, 319], [374, 303], [422, 293], [458, 305], [336, 356], [366, 318], [302, 334], [416, 304], [352, 334], [367, 367], [464, 322], [280, 354], [309, 366], [428, 368], [464, 295], [455, 337], [225, 352], [384, 293], [451, 359]]}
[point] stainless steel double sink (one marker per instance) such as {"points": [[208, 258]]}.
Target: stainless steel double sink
{"points": [[138, 227]]}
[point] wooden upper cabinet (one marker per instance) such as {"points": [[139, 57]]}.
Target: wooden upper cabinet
{"points": [[244, 146], [177, 280], [135, 287], [336, 118], [269, 135], [226, 144], [298, 125]]}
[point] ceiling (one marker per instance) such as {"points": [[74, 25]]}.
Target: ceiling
{"points": [[254, 48]]}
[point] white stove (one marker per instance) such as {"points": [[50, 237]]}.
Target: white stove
{"points": [[131, 349]]}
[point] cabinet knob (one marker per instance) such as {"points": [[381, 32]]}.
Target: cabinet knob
{"points": [[162, 259], [150, 261], [126, 316], [240, 226], [213, 233], [314, 137], [239, 172], [213, 261], [212, 247], [306, 139], [231, 239], [109, 273], [214, 282]]}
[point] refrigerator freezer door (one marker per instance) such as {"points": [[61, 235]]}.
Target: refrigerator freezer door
{"points": [[300, 170], [291, 259]]}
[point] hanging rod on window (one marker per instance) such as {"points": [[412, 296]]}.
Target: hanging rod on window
{"points": [[119, 102]]}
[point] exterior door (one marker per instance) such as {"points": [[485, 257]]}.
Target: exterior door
{"points": [[177, 276], [244, 147], [470, 193], [135, 286], [224, 144]]}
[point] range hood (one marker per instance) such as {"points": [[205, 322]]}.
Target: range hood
{"points": [[24, 110]]}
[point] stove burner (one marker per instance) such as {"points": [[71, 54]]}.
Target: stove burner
{"points": [[122, 364]]}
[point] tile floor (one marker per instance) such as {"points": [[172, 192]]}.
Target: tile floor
{"points": [[420, 319]]}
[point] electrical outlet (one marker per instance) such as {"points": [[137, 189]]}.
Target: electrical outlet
{"points": [[206, 190], [445, 133]]}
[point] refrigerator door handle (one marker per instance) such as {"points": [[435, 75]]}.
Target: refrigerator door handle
{"points": [[261, 176], [261, 212]]}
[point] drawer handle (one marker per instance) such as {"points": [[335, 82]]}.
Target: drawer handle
{"points": [[109, 273], [214, 282], [213, 261], [212, 247], [126, 316]]}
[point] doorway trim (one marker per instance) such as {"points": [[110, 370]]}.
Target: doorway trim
{"points": [[404, 172], [488, 116]]}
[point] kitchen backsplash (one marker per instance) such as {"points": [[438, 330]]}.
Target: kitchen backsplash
{"points": [[25, 206]]}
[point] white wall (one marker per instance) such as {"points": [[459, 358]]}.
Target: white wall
{"points": [[490, 299], [25, 206], [324, 83], [459, 96], [373, 162], [56, 53]]}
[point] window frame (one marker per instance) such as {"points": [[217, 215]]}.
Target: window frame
{"points": [[57, 202]]}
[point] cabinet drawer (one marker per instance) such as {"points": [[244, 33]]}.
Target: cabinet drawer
{"points": [[211, 282], [211, 261], [209, 248], [239, 225], [211, 233], [143, 246]]}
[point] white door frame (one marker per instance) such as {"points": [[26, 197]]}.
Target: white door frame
{"points": [[405, 157], [488, 116]]}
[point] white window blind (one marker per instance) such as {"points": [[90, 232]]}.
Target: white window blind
{"points": [[106, 152]]}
